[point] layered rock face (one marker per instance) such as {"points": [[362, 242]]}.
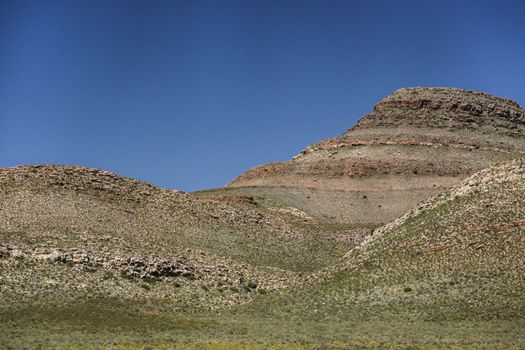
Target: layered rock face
{"points": [[415, 142]]}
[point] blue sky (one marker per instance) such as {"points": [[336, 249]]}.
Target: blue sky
{"points": [[188, 94]]}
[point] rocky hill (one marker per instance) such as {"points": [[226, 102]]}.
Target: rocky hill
{"points": [[67, 232], [416, 142], [456, 258], [399, 234]]}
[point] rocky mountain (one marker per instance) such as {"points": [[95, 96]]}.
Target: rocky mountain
{"points": [[401, 233], [416, 142]]}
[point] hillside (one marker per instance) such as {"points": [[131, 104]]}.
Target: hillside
{"points": [[69, 232], [406, 232], [415, 143], [456, 259], [449, 274]]}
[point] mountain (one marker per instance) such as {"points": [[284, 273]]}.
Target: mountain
{"points": [[406, 232], [416, 142]]}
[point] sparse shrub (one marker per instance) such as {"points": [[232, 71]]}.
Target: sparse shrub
{"points": [[407, 289], [190, 276], [125, 274], [88, 268], [151, 279], [252, 285]]}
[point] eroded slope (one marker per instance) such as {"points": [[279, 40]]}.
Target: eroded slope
{"points": [[459, 256], [415, 143]]}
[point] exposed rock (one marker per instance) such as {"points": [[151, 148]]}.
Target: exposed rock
{"points": [[415, 143], [446, 108]]}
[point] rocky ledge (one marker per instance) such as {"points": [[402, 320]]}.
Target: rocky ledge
{"points": [[443, 108]]}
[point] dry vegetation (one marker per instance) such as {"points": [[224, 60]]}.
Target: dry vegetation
{"points": [[291, 256], [457, 258]]}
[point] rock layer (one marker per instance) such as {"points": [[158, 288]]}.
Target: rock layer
{"points": [[415, 142]]}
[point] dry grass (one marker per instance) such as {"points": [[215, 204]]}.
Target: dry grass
{"points": [[448, 275]]}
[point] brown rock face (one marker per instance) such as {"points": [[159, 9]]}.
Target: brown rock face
{"points": [[443, 108], [415, 142]]}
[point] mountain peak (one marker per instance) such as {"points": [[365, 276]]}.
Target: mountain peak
{"points": [[414, 143], [438, 107]]}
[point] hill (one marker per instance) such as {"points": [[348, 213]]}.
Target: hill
{"points": [[452, 261], [415, 143], [405, 232], [449, 274], [69, 232]]}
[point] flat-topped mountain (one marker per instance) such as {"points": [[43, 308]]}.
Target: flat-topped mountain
{"points": [[415, 142]]}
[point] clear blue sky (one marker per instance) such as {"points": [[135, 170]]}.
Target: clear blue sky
{"points": [[188, 94]]}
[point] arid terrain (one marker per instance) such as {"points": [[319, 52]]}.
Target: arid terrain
{"points": [[415, 143], [405, 232]]}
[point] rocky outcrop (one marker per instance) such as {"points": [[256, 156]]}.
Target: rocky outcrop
{"points": [[444, 108], [139, 267], [415, 142]]}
